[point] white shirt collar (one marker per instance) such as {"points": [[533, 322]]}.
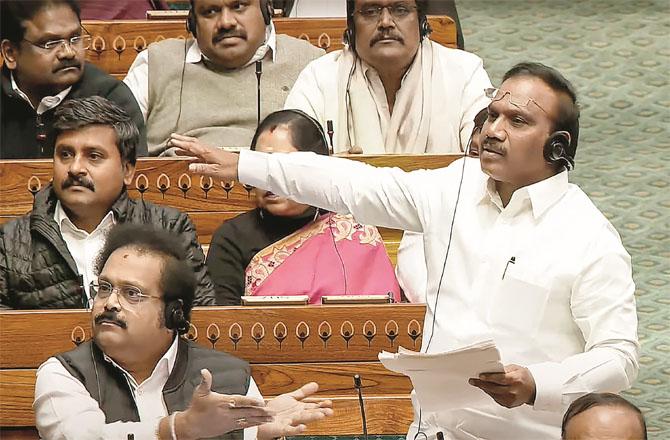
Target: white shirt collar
{"points": [[163, 367], [63, 221], [47, 103], [542, 195], [194, 54]]}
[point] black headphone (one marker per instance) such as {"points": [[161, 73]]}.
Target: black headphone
{"points": [[349, 37], [316, 123], [557, 150], [174, 316], [266, 9]]}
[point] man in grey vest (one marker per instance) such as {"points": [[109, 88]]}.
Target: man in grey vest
{"points": [[138, 376], [206, 87]]}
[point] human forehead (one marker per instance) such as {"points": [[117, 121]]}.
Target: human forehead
{"points": [[91, 136], [210, 3], [278, 140], [133, 266], [361, 3], [52, 21], [523, 87]]}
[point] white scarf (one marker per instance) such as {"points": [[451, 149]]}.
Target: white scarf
{"points": [[409, 130]]}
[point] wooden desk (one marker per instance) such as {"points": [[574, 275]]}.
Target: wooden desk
{"points": [[286, 346]]}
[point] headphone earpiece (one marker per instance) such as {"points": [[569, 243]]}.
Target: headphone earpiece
{"points": [[191, 25], [556, 150], [267, 11], [174, 317]]}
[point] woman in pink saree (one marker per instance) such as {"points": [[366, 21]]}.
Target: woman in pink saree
{"points": [[286, 248]]}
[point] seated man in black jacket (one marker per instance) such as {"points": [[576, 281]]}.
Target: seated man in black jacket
{"points": [[47, 256], [139, 377], [43, 48]]}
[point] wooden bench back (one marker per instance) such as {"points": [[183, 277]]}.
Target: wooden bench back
{"points": [[116, 43], [287, 347], [168, 182]]}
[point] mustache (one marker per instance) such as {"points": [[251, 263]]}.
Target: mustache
{"points": [[228, 33], [78, 181], [491, 144], [110, 316], [385, 36], [64, 64]]}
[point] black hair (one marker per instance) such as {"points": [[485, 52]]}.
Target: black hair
{"points": [[306, 133], [592, 400], [568, 113], [349, 36], [178, 281], [78, 113], [14, 13]]}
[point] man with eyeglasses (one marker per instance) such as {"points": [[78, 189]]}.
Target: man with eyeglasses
{"points": [[514, 252], [392, 89], [47, 257], [43, 48], [139, 376]]}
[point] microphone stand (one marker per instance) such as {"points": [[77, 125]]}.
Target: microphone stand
{"points": [[357, 385]]}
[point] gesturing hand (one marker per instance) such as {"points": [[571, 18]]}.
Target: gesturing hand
{"points": [[212, 162], [212, 414], [512, 388], [293, 411]]}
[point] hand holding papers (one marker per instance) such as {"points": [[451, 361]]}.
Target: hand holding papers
{"points": [[441, 379]]}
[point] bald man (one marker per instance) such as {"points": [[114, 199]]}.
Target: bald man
{"points": [[603, 416]]}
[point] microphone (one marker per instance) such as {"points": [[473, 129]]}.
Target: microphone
{"points": [[259, 72], [357, 385], [329, 125]]}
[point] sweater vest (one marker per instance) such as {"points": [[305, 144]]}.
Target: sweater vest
{"points": [[109, 387], [217, 106]]}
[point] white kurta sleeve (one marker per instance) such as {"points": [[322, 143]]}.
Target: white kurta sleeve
{"points": [[64, 410], [137, 80], [387, 197], [603, 307]]}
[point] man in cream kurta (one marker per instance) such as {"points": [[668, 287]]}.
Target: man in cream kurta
{"points": [[530, 261], [392, 89]]}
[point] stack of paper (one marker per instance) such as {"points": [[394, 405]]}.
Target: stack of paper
{"points": [[441, 379]]}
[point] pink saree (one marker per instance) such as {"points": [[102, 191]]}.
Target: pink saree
{"points": [[307, 262]]}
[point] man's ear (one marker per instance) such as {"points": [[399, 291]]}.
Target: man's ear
{"points": [[128, 173], [9, 53]]}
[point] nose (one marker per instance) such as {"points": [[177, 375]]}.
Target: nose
{"points": [[112, 301], [386, 19], [226, 19], [493, 129], [66, 51], [77, 166]]}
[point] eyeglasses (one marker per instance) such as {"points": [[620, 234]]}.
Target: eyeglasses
{"points": [[398, 11], [78, 42], [129, 296], [497, 95]]}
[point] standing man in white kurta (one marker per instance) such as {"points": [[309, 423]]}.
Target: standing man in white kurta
{"points": [[392, 89], [532, 263]]}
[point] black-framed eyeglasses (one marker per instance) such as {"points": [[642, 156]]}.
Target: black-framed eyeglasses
{"points": [[129, 296], [398, 11], [78, 42], [495, 94]]}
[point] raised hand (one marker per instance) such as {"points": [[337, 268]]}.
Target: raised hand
{"points": [[293, 411], [209, 161], [212, 414]]}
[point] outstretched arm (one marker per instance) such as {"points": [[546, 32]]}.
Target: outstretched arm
{"points": [[379, 196]]}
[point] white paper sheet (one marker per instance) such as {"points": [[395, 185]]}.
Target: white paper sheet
{"points": [[441, 379]]}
